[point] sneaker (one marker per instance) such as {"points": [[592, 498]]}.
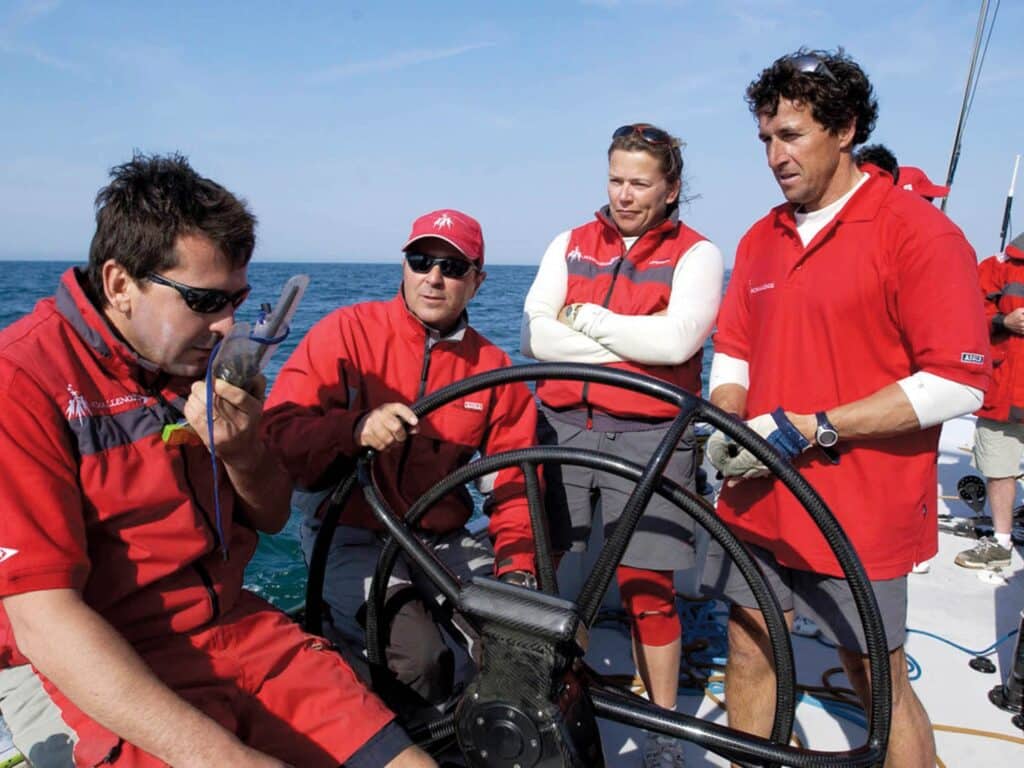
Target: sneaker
{"points": [[987, 553], [663, 752]]}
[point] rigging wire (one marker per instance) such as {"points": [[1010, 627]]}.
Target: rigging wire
{"points": [[973, 76]]}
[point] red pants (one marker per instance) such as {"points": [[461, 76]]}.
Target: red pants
{"points": [[281, 691]]}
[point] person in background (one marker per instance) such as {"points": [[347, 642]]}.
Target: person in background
{"points": [[850, 330], [879, 156], [347, 387], [123, 557], [915, 180], [634, 289], [999, 435]]}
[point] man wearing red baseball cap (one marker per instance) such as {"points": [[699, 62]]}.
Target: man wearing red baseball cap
{"points": [[348, 386], [913, 179]]}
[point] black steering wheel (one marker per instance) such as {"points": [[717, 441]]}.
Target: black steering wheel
{"points": [[533, 703]]}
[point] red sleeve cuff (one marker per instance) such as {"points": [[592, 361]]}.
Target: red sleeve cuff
{"points": [[513, 555]]}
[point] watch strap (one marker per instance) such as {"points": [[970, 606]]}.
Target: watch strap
{"points": [[831, 453]]}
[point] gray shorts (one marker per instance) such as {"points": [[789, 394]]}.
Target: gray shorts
{"points": [[826, 600], [352, 561], [663, 541], [998, 448]]}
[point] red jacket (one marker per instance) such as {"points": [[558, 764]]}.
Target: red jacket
{"points": [[93, 499], [1002, 286], [363, 356], [634, 282], [886, 289]]}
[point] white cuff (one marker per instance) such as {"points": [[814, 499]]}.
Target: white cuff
{"points": [[728, 370], [936, 399]]}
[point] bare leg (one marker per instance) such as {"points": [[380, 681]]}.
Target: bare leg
{"points": [[412, 757], [659, 668], [749, 673], [911, 741], [1002, 491]]}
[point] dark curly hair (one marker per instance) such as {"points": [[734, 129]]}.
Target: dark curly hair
{"points": [[833, 84], [152, 201], [881, 156]]}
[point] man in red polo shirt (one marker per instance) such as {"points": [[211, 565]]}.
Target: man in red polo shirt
{"points": [[850, 330]]}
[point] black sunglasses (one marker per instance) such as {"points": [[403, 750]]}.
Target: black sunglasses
{"points": [[648, 133], [421, 264], [811, 64], [203, 300]]}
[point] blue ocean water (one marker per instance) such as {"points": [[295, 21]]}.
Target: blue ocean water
{"points": [[277, 570]]}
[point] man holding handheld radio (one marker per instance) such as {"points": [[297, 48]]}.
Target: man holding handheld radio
{"points": [[126, 638]]}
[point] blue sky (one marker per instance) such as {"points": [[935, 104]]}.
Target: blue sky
{"points": [[340, 122]]}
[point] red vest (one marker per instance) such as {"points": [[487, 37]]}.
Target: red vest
{"points": [[1002, 285], [637, 282]]}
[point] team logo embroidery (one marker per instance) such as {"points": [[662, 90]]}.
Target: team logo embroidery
{"points": [[472, 405], [78, 406], [444, 221], [577, 255], [972, 357], [7, 554], [763, 287]]}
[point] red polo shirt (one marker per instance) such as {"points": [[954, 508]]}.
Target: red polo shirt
{"points": [[886, 289]]}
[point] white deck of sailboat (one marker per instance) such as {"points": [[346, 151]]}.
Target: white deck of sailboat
{"points": [[948, 601]]}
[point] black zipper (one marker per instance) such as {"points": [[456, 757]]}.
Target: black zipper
{"points": [[203, 574], [424, 370], [607, 300]]}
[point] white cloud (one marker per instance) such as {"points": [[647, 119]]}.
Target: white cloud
{"points": [[394, 62], [24, 14]]}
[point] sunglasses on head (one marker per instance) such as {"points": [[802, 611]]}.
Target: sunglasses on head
{"points": [[421, 264], [203, 300], [648, 133], [811, 64]]}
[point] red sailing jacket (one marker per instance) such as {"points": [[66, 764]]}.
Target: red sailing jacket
{"points": [[93, 499], [637, 282], [363, 356], [886, 289], [1002, 286]]}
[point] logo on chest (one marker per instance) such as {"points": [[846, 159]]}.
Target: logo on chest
{"points": [[760, 288], [472, 405]]}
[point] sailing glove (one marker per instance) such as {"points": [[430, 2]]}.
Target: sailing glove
{"points": [[775, 427]]}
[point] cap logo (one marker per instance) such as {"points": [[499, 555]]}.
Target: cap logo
{"points": [[444, 221]]}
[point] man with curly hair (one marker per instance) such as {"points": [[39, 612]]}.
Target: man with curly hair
{"points": [[850, 331]]}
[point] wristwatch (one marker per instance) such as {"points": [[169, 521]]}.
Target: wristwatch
{"points": [[825, 435], [519, 579], [571, 312]]}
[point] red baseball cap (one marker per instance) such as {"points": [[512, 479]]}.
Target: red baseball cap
{"points": [[454, 227], [914, 179]]}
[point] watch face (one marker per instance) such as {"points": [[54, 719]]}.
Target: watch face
{"points": [[827, 437]]}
